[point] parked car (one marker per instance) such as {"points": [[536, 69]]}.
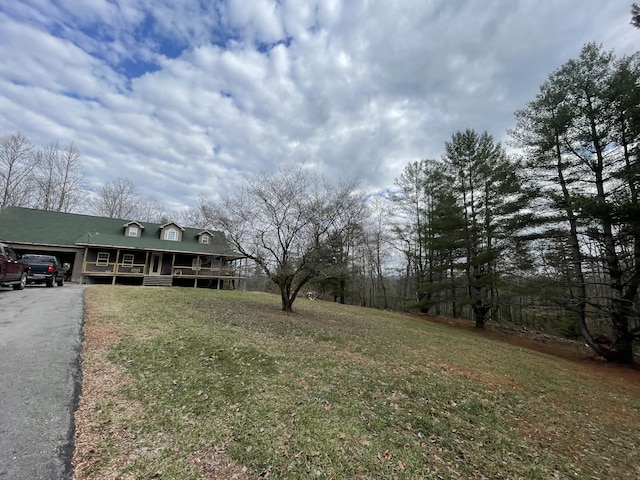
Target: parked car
{"points": [[13, 271], [45, 269]]}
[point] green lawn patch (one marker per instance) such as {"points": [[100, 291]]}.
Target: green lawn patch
{"points": [[217, 384]]}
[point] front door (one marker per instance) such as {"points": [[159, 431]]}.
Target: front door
{"points": [[155, 267]]}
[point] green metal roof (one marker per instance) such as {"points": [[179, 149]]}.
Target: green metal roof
{"points": [[40, 227]]}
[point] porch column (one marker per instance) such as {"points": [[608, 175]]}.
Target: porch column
{"points": [[84, 265], [196, 270], [115, 267]]}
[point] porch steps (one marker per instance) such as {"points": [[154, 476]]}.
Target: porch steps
{"points": [[157, 281]]}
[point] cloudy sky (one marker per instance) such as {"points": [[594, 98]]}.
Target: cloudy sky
{"points": [[194, 96]]}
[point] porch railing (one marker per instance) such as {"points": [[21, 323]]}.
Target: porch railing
{"points": [[113, 268], [189, 271], [117, 268]]}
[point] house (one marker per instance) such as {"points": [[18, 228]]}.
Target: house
{"points": [[108, 250]]}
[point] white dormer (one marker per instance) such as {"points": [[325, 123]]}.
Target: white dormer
{"points": [[133, 229], [171, 232], [205, 237]]}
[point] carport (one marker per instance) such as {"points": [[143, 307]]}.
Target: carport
{"points": [[71, 256]]}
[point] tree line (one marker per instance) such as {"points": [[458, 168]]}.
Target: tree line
{"points": [[555, 229], [49, 178], [53, 178]]}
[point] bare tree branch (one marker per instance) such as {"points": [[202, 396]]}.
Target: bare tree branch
{"points": [[285, 223], [17, 164]]}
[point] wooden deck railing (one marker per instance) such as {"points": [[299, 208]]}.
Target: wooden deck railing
{"points": [[117, 268], [188, 271], [136, 269]]}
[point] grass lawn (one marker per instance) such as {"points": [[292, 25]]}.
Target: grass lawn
{"points": [[202, 384]]}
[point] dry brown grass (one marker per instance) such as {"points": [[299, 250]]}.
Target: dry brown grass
{"points": [[102, 383]]}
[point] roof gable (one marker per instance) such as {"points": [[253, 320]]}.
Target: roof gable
{"points": [[133, 223], [171, 224]]}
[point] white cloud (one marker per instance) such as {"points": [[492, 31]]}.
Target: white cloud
{"points": [[193, 97], [258, 20]]}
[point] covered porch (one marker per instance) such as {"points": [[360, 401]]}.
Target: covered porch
{"points": [[158, 268]]}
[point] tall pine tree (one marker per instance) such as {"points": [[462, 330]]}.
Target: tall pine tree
{"points": [[488, 190], [580, 136]]}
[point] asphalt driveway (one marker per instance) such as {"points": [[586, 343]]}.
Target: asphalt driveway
{"points": [[40, 379]]}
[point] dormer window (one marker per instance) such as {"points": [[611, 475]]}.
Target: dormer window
{"points": [[171, 231], [171, 234], [133, 229], [205, 237]]}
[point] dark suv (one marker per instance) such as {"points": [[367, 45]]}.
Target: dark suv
{"points": [[45, 269]]}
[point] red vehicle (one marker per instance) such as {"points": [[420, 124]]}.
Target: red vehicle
{"points": [[13, 271]]}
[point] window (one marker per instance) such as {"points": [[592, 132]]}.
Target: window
{"points": [[195, 264], [204, 238], [171, 234], [133, 231], [103, 258], [127, 260]]}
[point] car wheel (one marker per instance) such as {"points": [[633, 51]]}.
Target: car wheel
{"points": [[60, 282], [49, 283], [23, 282]]}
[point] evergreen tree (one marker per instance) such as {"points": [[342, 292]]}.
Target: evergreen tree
{"points": [[579, 135], [448, 243], [635, 15], [424, 201], [488, 189]]}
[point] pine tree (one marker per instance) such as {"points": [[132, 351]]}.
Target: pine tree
{"points": [[579, 136], [489, 191]]}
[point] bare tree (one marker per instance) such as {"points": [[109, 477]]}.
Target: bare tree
{"points": [[117, 199], [197, 215], [286, 224], [377, 244], [150, 210], [58, 178], [17, 164]]}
